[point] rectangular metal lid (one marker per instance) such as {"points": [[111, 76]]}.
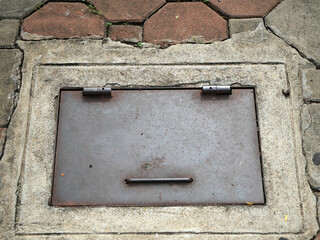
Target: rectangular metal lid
{"points": [[202, 149]]}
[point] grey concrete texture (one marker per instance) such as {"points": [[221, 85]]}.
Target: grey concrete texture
{"points": [[310, 116], [297, 23], [9, 82], [18, 8], [251, 58], [311, 85], [243, 25], [3, 135], [9, 29]]}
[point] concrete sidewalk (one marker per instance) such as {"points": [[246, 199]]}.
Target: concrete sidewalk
{"points": [[272, 45]]}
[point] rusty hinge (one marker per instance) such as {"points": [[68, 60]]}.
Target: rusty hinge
{"points": [[217, 90], [107, 92]]}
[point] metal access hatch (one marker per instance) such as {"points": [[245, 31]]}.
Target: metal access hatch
{"points": [[157, 147]]}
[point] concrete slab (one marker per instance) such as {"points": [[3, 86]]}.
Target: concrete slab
{"points": [[253, 58], [18, 8], [243, 25], [9, 82], [311, 85], [36, 189], [3, 132], [297, 23], [310, 115], [9, 29]]}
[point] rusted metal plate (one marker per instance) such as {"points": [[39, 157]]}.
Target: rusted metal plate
{"points": [[157, 148]]}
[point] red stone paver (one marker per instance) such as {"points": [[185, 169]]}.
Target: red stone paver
{"points": [[127, 10], [317, 237], [244, 8], [185, 21], [126, 33], [63, 20]]}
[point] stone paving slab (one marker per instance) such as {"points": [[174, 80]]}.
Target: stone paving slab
{"points": [[9, 29], [9, 82], [3, 132], [63, 20], [311, 141], [185, 21], [244, 8], [243, 25], [297, 23], [18, 8], [127, 11], [311, 85], [125, 33]]}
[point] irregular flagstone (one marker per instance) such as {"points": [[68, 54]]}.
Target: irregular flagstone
{"points": [[297, 23], [126, 33], [244, 8], [9, 82], [18, 8], [127, 11], [63, 20], [311, 85], [185, 21], [9, 29], [3, 132], [311, 138], [243, 25]]}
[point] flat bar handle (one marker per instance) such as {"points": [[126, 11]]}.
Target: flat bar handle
{"points": [[158, 180]]}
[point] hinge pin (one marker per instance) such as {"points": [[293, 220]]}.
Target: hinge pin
{"points": [[97, 92], [217, 90]]}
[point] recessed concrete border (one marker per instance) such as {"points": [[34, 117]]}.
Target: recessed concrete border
{"points": [[254, 58], [276, 142]]}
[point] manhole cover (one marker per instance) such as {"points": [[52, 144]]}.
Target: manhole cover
{"points": [[157, 147]]}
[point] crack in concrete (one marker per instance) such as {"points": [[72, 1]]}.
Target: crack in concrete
{"points": [[314, 62], [156, 86], [14, 103], [159, 233]]}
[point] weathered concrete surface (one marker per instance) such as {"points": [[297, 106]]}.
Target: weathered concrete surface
{"points": [[37, 182], [311, 141], [9, 29], [311, 85], [18, 8], [297, 23], [3, 132], [253, 58], [318, 206], [9, 82], [243, 25]]}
